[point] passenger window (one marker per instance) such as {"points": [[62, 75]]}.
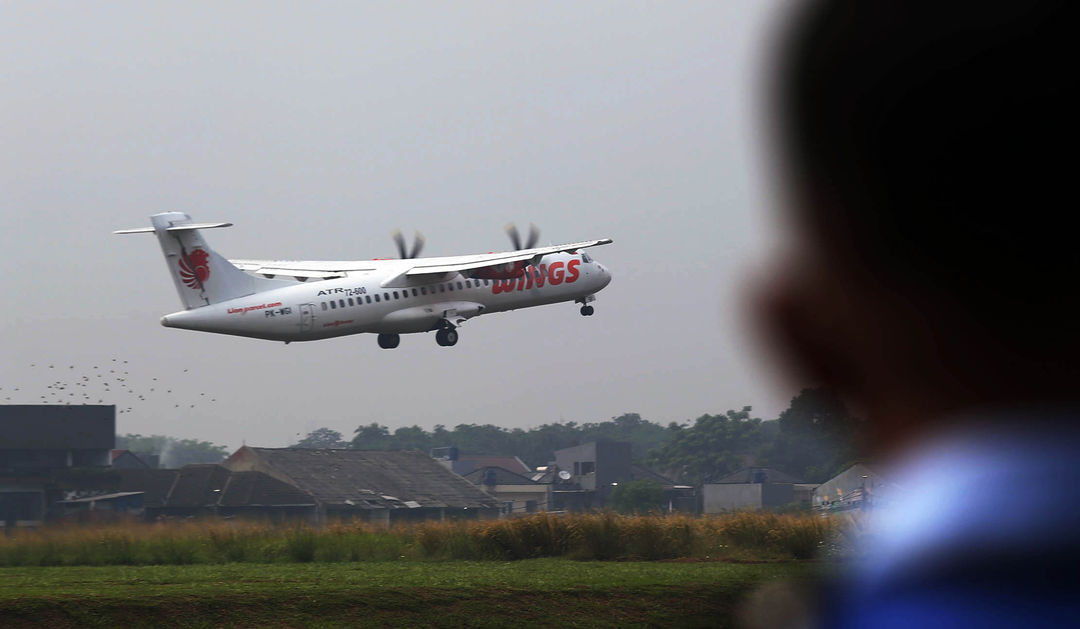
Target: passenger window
{"points": [[350, 301], [324, 305], [386, 296], [459, 285], [414, 293], [442, 288], [368, 298], [450, 286], [468, 283], [376, 298], [423, 290], [341, 302], [333, 305]]}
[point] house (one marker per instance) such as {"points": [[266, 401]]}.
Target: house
{"points": [[753, 488], [195, 490], [105, 506], [212, 489], [126, 459], [515, 493], [857, 487], [583, 477], [37, 442], [588, 473], [377, 486]]}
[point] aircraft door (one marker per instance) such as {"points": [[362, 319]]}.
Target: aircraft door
{"points": [[307, 317]]}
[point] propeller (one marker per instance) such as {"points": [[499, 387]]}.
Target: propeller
{"points": [[405, 252], [515, 237]]}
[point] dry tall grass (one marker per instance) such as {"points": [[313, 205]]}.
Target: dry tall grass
{"points": [[600, 536]]}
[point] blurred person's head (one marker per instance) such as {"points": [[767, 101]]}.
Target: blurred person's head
{"points": [[927, 151]]}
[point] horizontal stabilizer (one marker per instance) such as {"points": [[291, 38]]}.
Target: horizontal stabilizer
{"points": [[175, 228]]}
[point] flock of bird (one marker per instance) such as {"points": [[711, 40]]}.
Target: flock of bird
{"points": [[111, 383]]}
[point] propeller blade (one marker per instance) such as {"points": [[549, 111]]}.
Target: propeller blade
{"points": [[399, 240], [418, 245], [515, 237], [534, 235]]}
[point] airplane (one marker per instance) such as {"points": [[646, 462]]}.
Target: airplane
{"points": [[288, 301]]}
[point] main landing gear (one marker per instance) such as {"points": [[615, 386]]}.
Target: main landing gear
{"points": [[447, 336], [389, 341], [587, 311]]}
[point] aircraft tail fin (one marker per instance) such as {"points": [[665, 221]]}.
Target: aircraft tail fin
{"points": [[202, 277]]}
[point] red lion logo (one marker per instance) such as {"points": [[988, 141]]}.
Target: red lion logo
{"points": [[194, 277]]}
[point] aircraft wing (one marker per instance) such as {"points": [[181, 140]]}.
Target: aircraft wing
{"points": [[458, 264], [323, 269]]}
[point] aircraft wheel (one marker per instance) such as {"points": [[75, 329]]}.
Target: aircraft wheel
{"points": [[446, 337], [586, 311], [389, 341]]}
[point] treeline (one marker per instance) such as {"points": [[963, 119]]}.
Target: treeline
{"points": [[813, 439]]}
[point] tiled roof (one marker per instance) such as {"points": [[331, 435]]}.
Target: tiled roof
{"points": [[198, 485], [256, 489], [206, 485], [502, 477], [638, 472], [477, 461], [750, 474], [155, 484], [372, 479]]}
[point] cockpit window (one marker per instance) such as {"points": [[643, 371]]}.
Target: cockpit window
{"points": [[585, 258]]}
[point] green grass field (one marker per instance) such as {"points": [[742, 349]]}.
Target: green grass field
{"points": [[536, 592]]}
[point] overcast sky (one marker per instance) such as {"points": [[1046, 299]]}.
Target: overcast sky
{"points": [[317, 128]]}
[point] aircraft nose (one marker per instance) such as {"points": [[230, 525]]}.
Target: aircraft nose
{"points": [[604, 273]]}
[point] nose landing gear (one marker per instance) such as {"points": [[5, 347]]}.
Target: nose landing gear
{"points": [[586, 309]]}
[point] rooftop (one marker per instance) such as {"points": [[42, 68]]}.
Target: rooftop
{"points": [[366, 479], [751, 475]]}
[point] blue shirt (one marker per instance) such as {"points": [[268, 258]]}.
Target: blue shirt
{"points": [[982, 529]]}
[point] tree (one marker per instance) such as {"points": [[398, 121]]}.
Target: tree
{"points": [[535, 446], [372, 437], [173, 452], [321, 438], [638, 496], [713, 446], [412, 438], [818, 438]]}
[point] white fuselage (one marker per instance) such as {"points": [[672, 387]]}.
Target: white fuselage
{"points": [[381, 301]]}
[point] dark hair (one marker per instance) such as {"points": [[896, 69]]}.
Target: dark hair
{"points": [[929, 140]]}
